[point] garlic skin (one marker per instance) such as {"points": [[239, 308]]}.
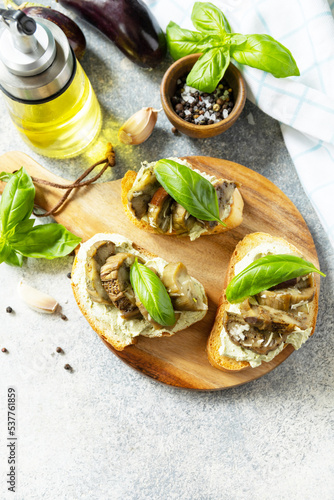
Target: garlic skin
{"points": [[138, 127], [37, 300]]}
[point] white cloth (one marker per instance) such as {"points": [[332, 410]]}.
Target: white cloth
{"points": [[304, 105]]}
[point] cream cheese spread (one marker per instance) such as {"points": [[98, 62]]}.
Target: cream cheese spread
{"points": [[228, 348], [108, 317]]}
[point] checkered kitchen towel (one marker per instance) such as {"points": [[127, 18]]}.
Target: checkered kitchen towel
{"points": [[304, 105]]}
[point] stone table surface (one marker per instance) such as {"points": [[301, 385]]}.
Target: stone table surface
{"points": [[107, 432]]}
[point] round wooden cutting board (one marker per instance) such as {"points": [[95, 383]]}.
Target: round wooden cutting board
{"points": [[181, 360]]}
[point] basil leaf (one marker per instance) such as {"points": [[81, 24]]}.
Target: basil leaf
{"points": [[152, 294], [14, 258], [209, 69], [182, 42], [4, 250], [21, 229], [236, 39], [195, 193], [5, 176], [47, 241], [266, 272], [215, 41], [17, 200], [207, 18], [264, 52]]}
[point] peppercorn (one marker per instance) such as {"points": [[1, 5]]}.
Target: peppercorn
{"points": [[4, 349], [68, 367], [59, 349], [69, 275], [9, 309], [192, 106], [63, 317]]}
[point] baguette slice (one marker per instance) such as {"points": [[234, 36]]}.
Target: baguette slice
{"points": [[233, 220], [250, 242], [106, 319]]}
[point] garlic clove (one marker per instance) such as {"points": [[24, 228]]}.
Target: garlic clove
{"points": [[138, 127], [37, 300]]}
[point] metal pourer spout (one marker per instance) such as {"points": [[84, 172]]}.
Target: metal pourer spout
{"points": [[36, 61], [22, 28]]}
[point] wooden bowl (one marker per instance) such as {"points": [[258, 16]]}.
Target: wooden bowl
{"points": [[182, 67]]}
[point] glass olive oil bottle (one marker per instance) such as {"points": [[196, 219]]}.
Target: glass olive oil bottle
{"points": [[48, 95]]}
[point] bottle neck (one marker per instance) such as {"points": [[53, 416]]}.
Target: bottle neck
{"points": [[27, 48], [41, 74], [22, 29]]}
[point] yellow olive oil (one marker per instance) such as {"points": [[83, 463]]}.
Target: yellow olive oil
{"points": [[61, 127]]}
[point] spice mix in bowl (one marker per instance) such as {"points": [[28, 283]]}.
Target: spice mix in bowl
{"points": [[201, 114]]}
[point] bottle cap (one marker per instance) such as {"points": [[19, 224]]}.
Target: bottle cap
{"points": [[36, 61]]}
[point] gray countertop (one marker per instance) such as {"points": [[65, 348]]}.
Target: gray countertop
{"points": [[108, 432]]}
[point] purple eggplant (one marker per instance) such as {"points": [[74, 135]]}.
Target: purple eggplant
{"points": [[127, 23], [74, 34]]}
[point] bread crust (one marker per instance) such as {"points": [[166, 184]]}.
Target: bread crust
{"points": [[110, 336], [233, 220], [250, 241]]}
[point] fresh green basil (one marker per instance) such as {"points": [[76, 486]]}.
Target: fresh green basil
{"points": [[183, 42], [46, 241], [259, 51], [195, 193], [152, 294], [266, 272], [264, 52], [9, 255], [14, 258], [18, 237], [207, 18], [17, 200], [21, 229], [4, 250], [236, 39], [208, 70], [5, 176]]}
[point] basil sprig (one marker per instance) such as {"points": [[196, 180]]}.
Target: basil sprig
{"points": [[152, 294], [217, 44], [266, 272], [18, 236], [195, 193]]}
